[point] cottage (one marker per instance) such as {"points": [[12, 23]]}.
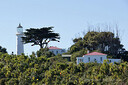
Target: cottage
{"points": [[95, 57], [56, 50]]}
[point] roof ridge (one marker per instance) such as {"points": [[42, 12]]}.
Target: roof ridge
{"points": [[54, 47], [95, 53]]}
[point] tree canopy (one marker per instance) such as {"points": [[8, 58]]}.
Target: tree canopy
{"points": [[105, 42], [40, 36], [3, 50]]}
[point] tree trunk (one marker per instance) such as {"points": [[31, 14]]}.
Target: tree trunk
{"points": [[41, 45]]}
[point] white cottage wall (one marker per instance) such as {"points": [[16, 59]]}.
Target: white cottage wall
{"points": [[93, 58], [114, 60]]}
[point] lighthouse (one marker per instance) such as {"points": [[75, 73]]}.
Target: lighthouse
{"points": [[19, 43]]}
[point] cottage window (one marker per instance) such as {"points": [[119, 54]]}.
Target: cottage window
{"points": [[80, 60], [109, 60], [56, 52], [88, 58], [95, 60], [62, 50], [100, 58]]}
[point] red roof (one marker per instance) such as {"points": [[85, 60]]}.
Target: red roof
{"points": [[52, 47], [95, 53]]}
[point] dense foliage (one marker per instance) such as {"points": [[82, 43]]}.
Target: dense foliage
{"points": [[54, 70], [3, 50], [102, 41], [40, 36], [105, 42]]}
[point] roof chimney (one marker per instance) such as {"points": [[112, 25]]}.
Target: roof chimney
{"points": [[88, 51]]}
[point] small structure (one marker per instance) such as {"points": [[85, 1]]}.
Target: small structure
{"points": [[56, 50], [95, 57], [68, 57]]}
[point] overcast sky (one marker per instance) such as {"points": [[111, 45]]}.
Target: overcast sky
{"points": [[69, 18]]}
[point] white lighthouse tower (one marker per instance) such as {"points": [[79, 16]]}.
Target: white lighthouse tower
{"points": [[19, 43]]}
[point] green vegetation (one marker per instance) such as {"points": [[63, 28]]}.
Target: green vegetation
{"points": [[54, 70], [3, 50], [105, 42], [40, 36]]}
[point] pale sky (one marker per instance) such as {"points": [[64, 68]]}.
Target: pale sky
{"points": [[69, 18]]}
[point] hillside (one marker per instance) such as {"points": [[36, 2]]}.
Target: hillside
{"points": [[24, 70]]}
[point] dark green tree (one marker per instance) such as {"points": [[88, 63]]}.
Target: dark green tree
{"points": [[40, 36], [44, 52], [105, 42], [3, 50]]}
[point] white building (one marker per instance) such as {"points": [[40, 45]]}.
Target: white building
{"points": [[95, 57], [19, 43], [56, 50]]}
